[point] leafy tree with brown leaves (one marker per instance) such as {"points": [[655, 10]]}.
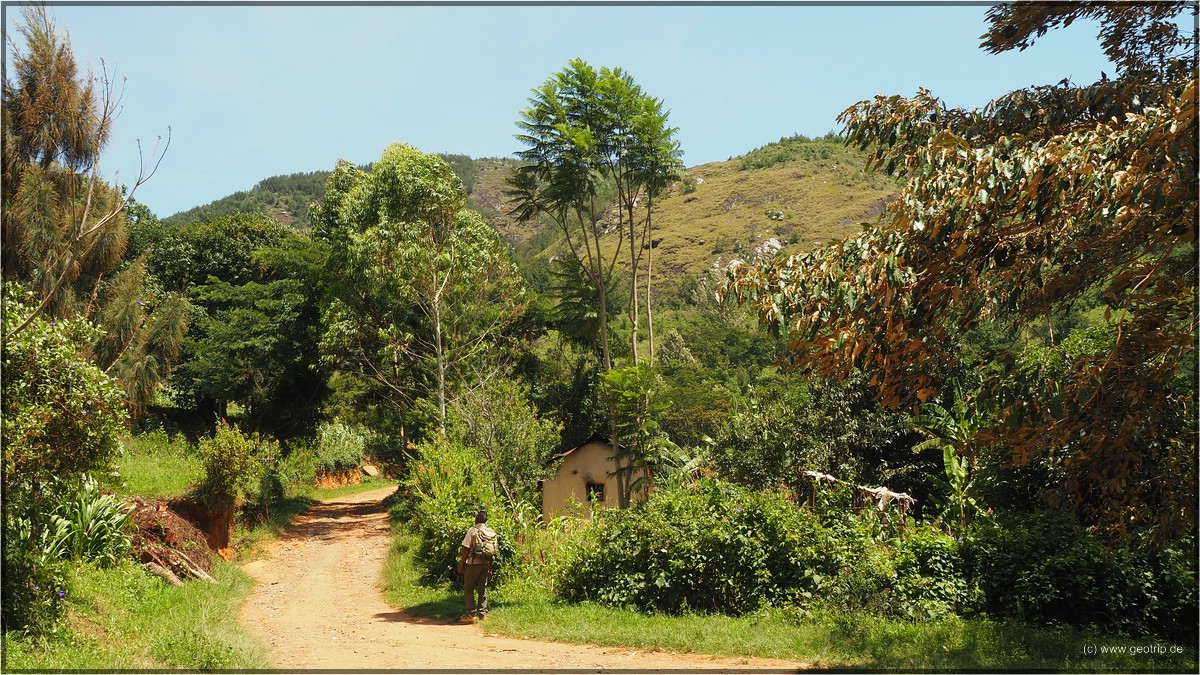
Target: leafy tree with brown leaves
{"points": [[1011, 213]]}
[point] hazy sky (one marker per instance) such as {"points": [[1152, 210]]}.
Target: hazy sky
{"points": [[256, 91]]}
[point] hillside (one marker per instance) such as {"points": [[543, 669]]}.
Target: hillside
{"points": [[789, 195], [785, 196], [287, 198]]}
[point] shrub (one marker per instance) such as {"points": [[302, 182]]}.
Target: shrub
{"points": [[931, 580], [34, 582], [1045, 568], [340, 446], [446, 487], [62, 418], [236, 467], [718, 547], [709, 547]]}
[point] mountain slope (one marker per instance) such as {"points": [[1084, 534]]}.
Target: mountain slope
{"points": [[789, 195]]}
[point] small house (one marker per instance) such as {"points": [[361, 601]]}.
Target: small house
{"points": [[583, 478]]}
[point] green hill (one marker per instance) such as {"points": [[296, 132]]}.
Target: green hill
{"points": [[789, 196], [284, 198], [287, 198], [786, 196]]}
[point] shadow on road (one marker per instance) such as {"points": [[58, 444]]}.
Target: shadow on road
{"points": [[336, 520], [448, 619]]}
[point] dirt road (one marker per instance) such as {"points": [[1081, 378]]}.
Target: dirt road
{"points": [[318, 604]]}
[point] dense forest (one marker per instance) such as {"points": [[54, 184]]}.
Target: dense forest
{"points": [[987, 315]]}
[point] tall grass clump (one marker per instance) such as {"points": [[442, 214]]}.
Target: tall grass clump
{"points": [[156, 465], [90, 526]]}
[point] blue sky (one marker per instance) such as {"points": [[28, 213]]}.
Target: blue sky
{"points": [[256, 91]]}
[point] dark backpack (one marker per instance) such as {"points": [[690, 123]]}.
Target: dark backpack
{"points": [[484, 547]]}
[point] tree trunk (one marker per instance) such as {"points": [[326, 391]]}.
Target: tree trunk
{"points": [[441, 360], [649, 273]]}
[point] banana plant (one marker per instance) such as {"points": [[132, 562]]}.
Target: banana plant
{"points": [[952, 432]]}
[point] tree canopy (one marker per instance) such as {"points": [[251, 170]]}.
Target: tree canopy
{"points": [[420, 284], [1012, 212]]}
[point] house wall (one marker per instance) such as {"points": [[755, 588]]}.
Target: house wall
{"points": [[589, 463]]}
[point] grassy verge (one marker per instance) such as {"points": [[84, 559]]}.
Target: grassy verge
{"points": [[123, 619], [156, 466], [859, 642], [521, 608]]}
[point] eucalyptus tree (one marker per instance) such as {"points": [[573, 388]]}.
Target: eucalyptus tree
{"points": [[423, 289], [592, 137], [64, 226]]}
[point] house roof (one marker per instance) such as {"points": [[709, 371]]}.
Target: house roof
{"points": [[593, 439]]}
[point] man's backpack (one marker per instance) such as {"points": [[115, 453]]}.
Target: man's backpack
{"points": [[484, 548]]}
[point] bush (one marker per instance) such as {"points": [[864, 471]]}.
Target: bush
{"points": [[1045, 568], [931, 578], [340, 446], [237, 468], [709, 547], [446, 487], [34, 583], [718, 547], [62, 418]]}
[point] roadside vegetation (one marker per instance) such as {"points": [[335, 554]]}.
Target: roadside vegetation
{"points": [[958, 436]]}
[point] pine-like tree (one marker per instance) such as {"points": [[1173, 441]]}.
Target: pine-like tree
{"points": [[64, 227]]}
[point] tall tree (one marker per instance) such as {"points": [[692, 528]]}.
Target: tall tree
{"points": [[423, 288], [64, 227], [592, 137], [1011, 213]]}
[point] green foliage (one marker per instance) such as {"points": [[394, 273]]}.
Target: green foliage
{"points": [[635, 396], [34, 582], [952, 432], [236, 467], [255, 287], [62, 418], [340, 446], [447, 484], [832, 427], [1044, 568], [423, 290], [285, 199], [593, 137], [515, 441], [91, 527]]}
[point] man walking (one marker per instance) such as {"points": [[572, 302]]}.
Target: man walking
{"points": [[475, 564]]}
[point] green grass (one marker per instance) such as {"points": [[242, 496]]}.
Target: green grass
{"points": [[522, 608], [156, 466], [402, 587], [123, 618], [858, 642]]}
